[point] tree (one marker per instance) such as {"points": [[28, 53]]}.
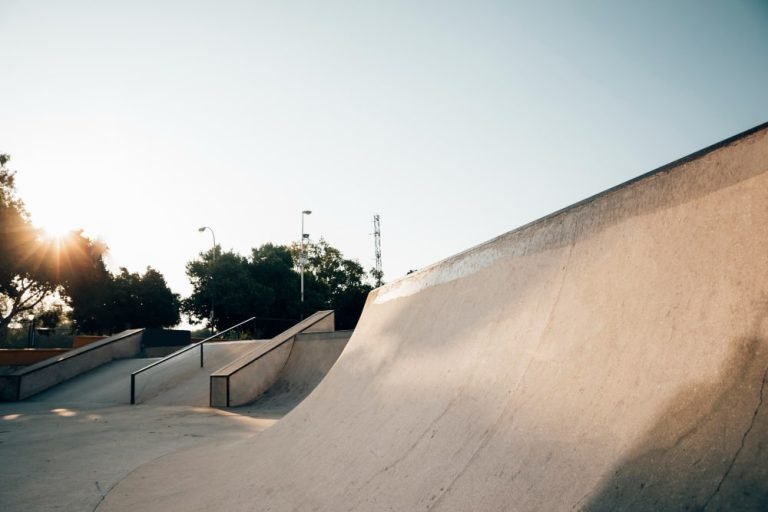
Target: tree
{"points": [[143, 301], [267, 286], [103, 303], [30, 267], [340, 280], [33, 268], [223, 281]]}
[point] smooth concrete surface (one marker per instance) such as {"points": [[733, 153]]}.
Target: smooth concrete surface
{"points": [[65, 448], [242, 381], [312, 357], [65, 459], [612, 356]]}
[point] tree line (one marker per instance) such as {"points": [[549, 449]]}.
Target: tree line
{"points": [[66, 279]]}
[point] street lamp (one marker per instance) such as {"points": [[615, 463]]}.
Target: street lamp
{"points": [[213, 262], [303, 257]]}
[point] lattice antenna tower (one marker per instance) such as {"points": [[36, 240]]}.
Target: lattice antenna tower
{"points": [[378, 273]]}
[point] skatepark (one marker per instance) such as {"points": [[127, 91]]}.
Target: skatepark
{"points": [[610, 356]]}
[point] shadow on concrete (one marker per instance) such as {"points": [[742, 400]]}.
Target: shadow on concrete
{"points": [[707, 451]]}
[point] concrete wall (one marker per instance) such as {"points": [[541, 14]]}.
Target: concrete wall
{"points": [[83, 340], [38, 377], [245, 379], [611, 356], [28, 356]]}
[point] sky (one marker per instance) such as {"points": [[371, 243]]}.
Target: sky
{"points": [[142, 121]]}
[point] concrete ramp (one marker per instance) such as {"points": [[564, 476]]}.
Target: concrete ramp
{"points": [[180, 383], [611, 356], [108, 384], [43, 375], [311, 358]]}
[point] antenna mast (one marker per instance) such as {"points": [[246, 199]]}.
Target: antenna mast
{"points": [[378, 273]]}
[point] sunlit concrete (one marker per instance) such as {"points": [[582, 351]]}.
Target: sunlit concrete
{"points": [[612, 356], [65, 448], [55, 458]]}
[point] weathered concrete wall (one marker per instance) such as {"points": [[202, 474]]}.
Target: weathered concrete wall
{"points": [[612, 356]]}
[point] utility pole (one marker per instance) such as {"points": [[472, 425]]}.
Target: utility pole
{"points": [[378, 273], [303, 258], [213, 267]]}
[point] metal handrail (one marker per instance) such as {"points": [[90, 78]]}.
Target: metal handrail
{"points": [[178, 353]]}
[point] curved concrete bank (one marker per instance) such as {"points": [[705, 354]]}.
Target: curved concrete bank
{"points": [[312, 357], [611, 356]]}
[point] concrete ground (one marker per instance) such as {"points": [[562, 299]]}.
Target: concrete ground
{"points": [[57, 458], [612, 356], [66, 448]]}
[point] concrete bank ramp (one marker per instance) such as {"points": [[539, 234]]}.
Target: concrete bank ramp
{"points": [[108, 384], [179, 383], [38, 377], [611, 356]]}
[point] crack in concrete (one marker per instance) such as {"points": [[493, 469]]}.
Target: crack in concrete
{"points": [[741, 446]]}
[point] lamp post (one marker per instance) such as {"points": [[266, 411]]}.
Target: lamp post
{"points": [[303, 257], [31, 332], [213, 262]]}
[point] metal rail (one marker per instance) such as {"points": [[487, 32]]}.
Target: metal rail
{"points": [[178, 353]]}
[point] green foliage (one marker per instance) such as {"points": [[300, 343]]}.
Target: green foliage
{"points": [[103, 303], [267, 286], [340, 279], [33, 268], [29, 271], [237, 288]]}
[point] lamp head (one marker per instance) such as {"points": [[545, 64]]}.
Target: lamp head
{"points": [[307, 212], [201, 229]]}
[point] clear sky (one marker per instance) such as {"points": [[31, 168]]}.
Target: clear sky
{"points": [[141, 121]]}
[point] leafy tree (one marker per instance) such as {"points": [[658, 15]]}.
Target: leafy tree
{"points": [[267, 286], [32, 267], [339, 280], [104, 304], [223, 281], [143, 301]]}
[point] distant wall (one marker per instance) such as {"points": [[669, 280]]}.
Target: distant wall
{"points": [[28, 356], [83, 340]]}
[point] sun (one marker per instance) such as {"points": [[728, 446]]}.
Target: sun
{"points": [[56, 233], [55, 228]]}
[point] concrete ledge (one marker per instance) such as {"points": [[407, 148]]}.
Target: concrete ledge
{"points": [[243, 380], [45, 374]]}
